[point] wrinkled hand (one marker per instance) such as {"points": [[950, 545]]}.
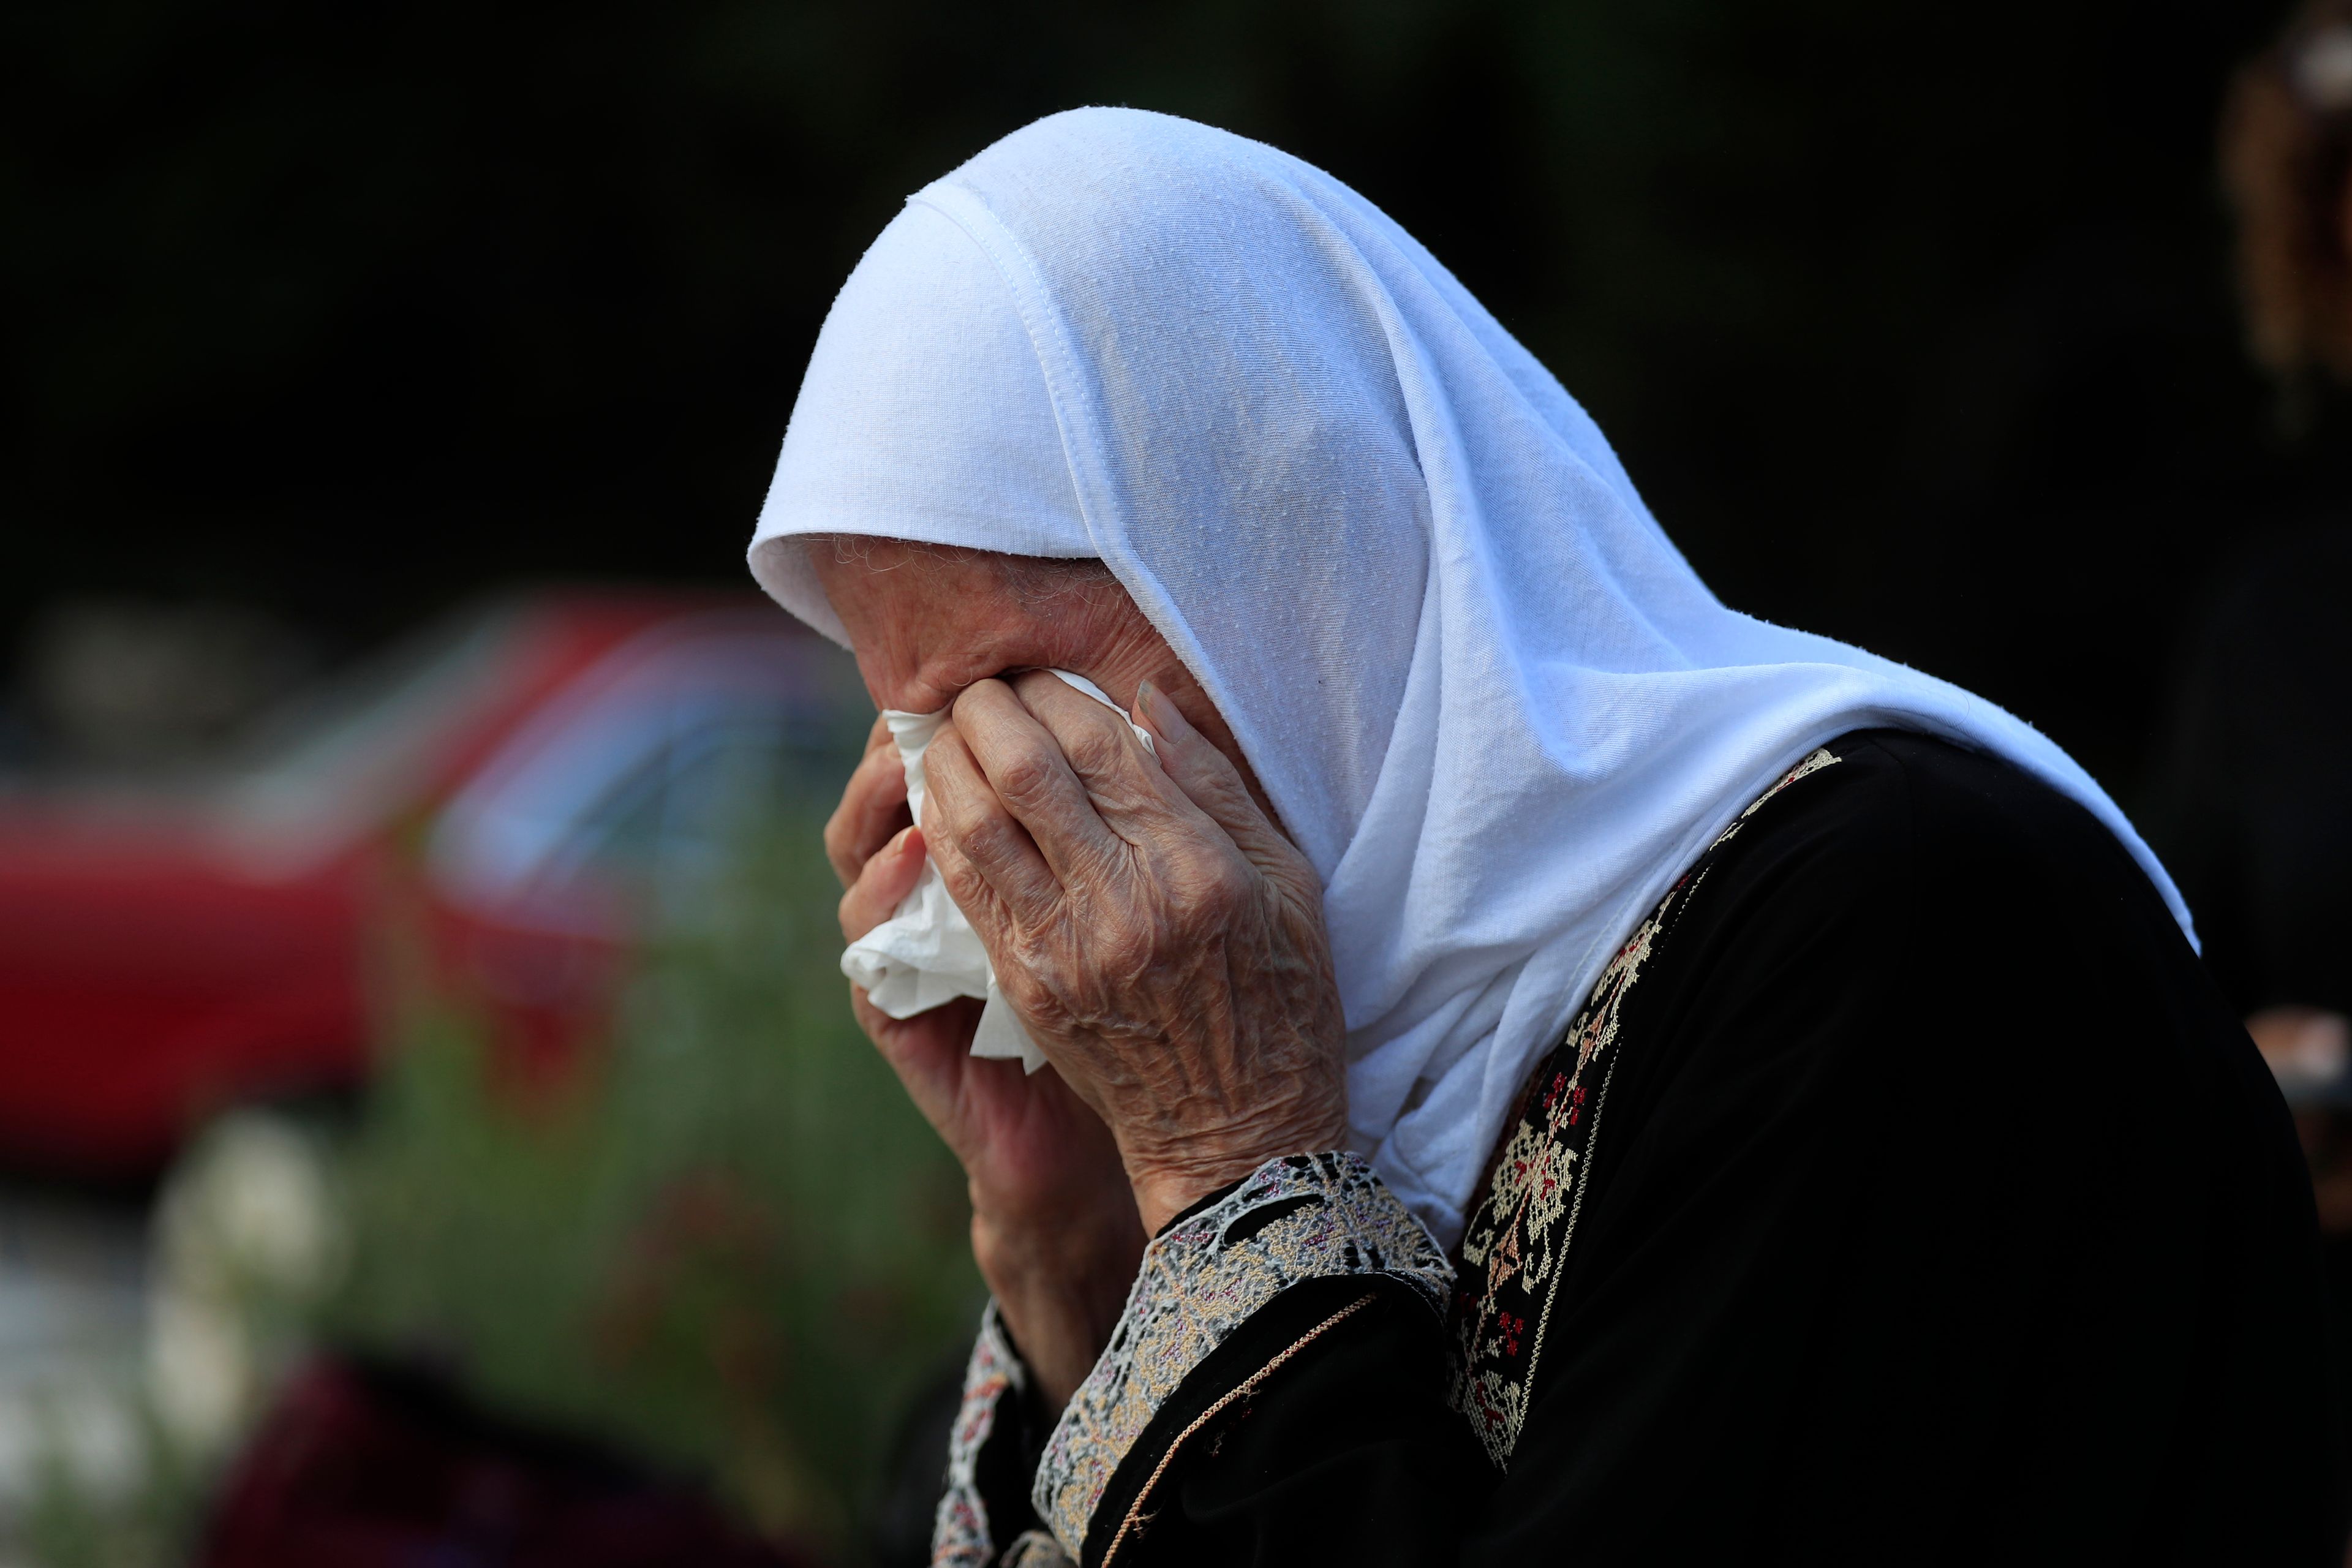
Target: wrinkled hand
{"points": [[1160, 939], [1053, 1226]]}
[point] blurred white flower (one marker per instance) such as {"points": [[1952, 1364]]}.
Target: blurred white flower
{"points": [[200, 1369], [247, 1235]]}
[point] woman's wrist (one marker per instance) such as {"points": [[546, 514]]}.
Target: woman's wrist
{"points": [[1167, 1185], [1160, 1198], [1060, 1286]]}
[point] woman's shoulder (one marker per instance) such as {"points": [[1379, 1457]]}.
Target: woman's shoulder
{"points": [[1895, 834], [1900, 805], [1981, 824]]}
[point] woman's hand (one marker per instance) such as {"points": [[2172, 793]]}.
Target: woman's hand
{"points": [[1159, 936], [1053, 1225]]}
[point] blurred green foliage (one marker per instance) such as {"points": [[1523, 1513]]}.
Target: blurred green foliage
{"points": [[726, 1245], [731, 1246], [65, 1525]]}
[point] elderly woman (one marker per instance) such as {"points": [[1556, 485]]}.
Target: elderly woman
{"points": [[1543, 1065]]}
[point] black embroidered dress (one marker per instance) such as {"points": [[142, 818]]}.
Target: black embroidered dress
{"points": [[1903, 1192]]}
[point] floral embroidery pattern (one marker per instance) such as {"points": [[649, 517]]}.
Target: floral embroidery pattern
{"points": [[959, 1530], [1201, 1280], [1515, 1247]]}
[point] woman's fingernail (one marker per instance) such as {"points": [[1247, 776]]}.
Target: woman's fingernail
{"points": [[1158, 711], [904, 839]]}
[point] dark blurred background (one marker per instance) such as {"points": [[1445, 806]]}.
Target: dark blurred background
{"points": [[1913, 323]]}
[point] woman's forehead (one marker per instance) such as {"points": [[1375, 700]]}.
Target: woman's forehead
{"points": [[927, 620]]}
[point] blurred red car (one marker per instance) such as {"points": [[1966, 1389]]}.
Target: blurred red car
{"points": [[507, 800]]}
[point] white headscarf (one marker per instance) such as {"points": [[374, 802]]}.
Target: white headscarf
{"points": [[1490, 700]]}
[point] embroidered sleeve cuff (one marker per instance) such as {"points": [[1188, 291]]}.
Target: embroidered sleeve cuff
{"points": [[1295, 1219], [963, 1533], [960, 1532]]}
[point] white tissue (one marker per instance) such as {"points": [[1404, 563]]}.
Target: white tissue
{"points": [[927, 953]]}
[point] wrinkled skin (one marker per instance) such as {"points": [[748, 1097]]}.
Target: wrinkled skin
{"points": [[1158, 935], [1160, 939]]}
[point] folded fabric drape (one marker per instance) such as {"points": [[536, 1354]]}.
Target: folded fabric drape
{"points": [[1491, 701]]}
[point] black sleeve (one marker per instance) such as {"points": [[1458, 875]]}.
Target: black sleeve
{"points": [[1939, 1211], [1337, 1445], [1241, 1305]]}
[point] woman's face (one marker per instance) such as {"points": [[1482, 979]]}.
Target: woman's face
{"points": [[926, 622]]}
